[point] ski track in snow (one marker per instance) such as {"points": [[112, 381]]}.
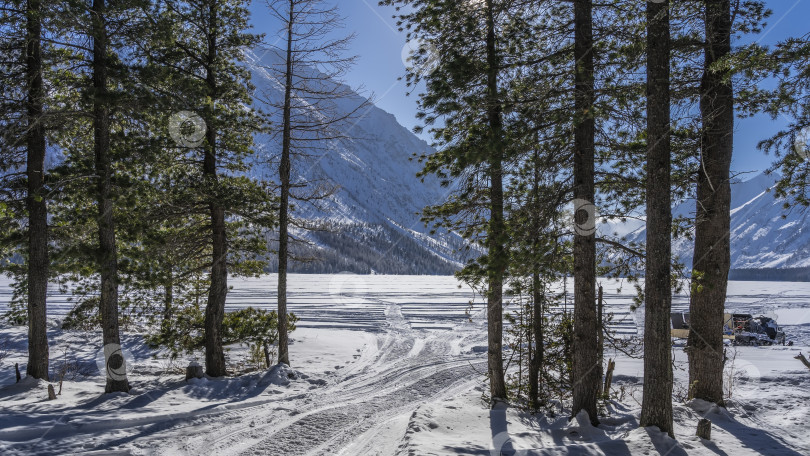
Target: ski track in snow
{"points": [[400, 378]]}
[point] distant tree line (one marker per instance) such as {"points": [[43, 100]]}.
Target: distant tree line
{"points": [[771, 274], [364, 249]]}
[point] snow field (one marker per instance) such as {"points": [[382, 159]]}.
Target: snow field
{"points": [[392, 365]]}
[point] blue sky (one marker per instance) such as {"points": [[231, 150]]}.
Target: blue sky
{"points": [[379, 45]]}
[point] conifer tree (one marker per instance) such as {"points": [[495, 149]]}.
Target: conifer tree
{"points": [[788, 64], [199, 53], [87, 89], [586, 386], [656, 407], [711, 260], [23, 146], [107, 249], [464, 57]]}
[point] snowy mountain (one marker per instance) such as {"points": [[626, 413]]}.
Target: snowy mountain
{"points": [[374, 211], [764, 235], [373, 220]]}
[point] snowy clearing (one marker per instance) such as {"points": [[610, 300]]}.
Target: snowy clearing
{"points": [[391, 365]]}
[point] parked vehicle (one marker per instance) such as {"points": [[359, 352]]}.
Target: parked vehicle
{"points": [[762, 330], [740, 329]]}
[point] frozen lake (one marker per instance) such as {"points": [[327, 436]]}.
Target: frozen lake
{"points": [[349, 301], [391, 365]]}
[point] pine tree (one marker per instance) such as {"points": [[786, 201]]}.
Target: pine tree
{"points": [[38, 262], [24, 134], [107, 252], [656, 408], [585, 368], [199, 53], [466, 53], [788, 65], [496, 233], [539, 80], [538, 260], [713, 219]]}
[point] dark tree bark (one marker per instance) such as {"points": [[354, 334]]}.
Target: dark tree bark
{"points": [[497, 228], [539, 349], [585, 356], [107, 253], [538, 293], [656, 407], [284, 206], [218, 291], [600, 341], [266, 355], [38, 263], [712, 251], [168, 293], [704, 429]]}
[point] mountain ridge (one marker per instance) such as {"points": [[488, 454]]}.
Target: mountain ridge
{"points": [[764, 235], [378, 196]]}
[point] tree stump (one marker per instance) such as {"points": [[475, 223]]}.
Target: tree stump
{"points": [[608, 378], [17, 368], [51, 392], [704, 429], [194, 370], [803, 359]]}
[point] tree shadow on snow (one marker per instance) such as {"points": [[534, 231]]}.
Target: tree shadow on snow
{"points": [[499, 429], [501, 443], [664, 444], [755, 439]]}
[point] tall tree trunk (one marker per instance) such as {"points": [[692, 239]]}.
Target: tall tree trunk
{"points": [[537, 333], [218, 291], [284, 206], [168, 293], [712, 251], [585, 356], [497, 228], [656, 406], [536, 361], [38, 263], [600, 340], [107, 253]]}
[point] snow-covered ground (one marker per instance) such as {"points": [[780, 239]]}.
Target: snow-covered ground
{"points": [[390, 365]]}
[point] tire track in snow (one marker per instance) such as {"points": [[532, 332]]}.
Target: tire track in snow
{"points": [[411, 368], [329, 430]]}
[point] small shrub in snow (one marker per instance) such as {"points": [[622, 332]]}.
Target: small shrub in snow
{"points": [[255, 328]]}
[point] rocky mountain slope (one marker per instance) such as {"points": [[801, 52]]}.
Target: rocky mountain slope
{"points": [[764, 235], [372, 217]]}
